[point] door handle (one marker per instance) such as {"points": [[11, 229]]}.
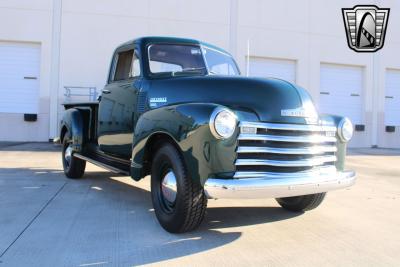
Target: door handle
{"points": [[105, 91]]}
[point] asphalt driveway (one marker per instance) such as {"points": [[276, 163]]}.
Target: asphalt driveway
{"points": [[108, 220]]}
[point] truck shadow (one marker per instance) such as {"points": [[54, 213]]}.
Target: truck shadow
{"points": [[216, 217], [229, 217], [160, 245], [120, 216]]}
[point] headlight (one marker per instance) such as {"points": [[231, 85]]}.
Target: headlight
{"points": [[345, 130], [223, 123]]}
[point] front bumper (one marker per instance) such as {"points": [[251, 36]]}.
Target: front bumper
{"points": [[278, 185]]}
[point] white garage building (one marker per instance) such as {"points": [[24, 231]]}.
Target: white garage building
{"points": [[53, 51]]}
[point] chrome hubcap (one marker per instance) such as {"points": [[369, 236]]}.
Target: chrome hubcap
{"points": [[68, 154], [168, 187]]}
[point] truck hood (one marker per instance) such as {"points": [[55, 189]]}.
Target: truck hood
{"points": [[273, 100]]}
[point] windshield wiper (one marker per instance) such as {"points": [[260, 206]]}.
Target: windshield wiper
{"points": [[194, 69], [201, 68], [189, 70]]}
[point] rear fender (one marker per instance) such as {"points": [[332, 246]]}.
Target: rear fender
{"points": [[73, 122]]}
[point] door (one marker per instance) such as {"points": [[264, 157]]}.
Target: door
{"points": [[341, 91], [275, 68], [118, 105], [19, 78], [392, 98], [19, 90]]}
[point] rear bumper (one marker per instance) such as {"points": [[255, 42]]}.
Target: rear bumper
{"points": [[276, 186]]}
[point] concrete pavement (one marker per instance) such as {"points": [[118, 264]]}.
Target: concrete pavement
{"points": [[108, 220]]}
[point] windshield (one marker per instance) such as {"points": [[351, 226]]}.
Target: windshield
{"points": [[219, 63], [178, 60]]}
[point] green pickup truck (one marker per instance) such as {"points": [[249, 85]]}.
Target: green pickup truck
{"points": [[179, 110]]}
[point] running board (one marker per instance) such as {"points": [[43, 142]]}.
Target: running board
{"points": [[101, 164]]}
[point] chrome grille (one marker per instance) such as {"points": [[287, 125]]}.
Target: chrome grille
{"points": [[272, 148]]}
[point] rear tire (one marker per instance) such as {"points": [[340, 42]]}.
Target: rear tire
{"points": [[179, 202], [74, 168], [301, 203]]}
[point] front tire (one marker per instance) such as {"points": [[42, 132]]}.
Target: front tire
{"points": [[74, 168], [179, 202], [301, 203]]}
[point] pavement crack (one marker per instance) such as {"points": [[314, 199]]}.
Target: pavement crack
{"points": [[33, 219]]}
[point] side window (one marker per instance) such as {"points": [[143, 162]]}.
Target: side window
{"points": [[125, 66]]}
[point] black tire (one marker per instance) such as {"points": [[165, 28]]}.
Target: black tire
{"points": [[187, 210], [74, 168], [301, 203]]}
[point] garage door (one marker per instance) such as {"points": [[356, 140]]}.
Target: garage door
{"points": [[276, 68], [19, 77], [392, 98], [341, 91]]}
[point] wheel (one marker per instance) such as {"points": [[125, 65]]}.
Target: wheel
{"points": [[73, 167], [301, 203], [179, 202]]}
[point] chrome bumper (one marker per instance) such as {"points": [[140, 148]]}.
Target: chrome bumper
{"points": [[278, 185]]}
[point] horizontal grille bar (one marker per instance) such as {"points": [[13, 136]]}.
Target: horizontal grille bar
{"points": [[313, 150], [315, 139], [315, 161], [289, 127], [284, 149], [254, 174]]}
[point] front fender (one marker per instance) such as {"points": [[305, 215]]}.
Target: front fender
{"points": [[73, 121], [188, 126]]}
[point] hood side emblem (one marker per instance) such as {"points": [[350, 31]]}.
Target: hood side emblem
{"points": [[309, 114], [154, 101], [297, 112]]}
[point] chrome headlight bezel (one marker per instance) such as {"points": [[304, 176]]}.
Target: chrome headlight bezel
{"points": [[214, 121], [345, 130]]}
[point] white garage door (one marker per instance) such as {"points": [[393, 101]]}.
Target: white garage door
{"points": [[392, 98], [276, 68], [19, 77], [341, 91]]}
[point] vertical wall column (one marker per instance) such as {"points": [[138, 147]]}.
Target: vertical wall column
{"points": [[55, 67], [375, 98]]}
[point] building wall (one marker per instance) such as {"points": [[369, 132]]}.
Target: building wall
{"points": [[28, 21], [309, 32], [102, 27]]}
